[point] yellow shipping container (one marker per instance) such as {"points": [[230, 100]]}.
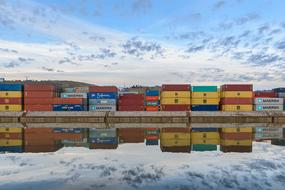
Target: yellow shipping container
{"points": [[11, 142], [236, 142], [205, 141], [169, 135], [208, 101], [208, 135], [175, 142], [236, 130], [11, 130], [174, 94], [10, 107], [185, 101], [205, 95], [237, 94], [10, 94], [237, 107]]}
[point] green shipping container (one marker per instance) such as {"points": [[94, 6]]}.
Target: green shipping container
{"points": [[284, 107], [204, 89], [204, 147], [152, 103]]}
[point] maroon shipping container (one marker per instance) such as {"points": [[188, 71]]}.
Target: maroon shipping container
{"points": [[131, 96], [236, 101], [237, 87], [176, 130], [176, 87], [236, 136], [38, 101], [10, 100], [131, 135], [131, 102], [38, 131], [131, 108], [103, 146], [103, 89], [236, 148], [38, 108], [175, 108], [39, 87], [68, 101], [39, 94], [42, 148], [265, 94]]}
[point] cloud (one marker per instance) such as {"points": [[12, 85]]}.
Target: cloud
{"points": [[263, 29], [262, 58], [280, 45], [244, 19], [105, 53], [51, 69], [219, 5], [11, 64], [141, 6], [8, 50], [193, 49]]}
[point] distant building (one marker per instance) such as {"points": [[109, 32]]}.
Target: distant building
{"points": [[2, 79]]}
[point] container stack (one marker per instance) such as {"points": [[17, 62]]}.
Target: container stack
{"points": [[103, 138], [11, 96], [281, 94], [40, 140], [73, 134], [236, 97], [268, 104], [69, 104], [205, 98], [236, 139], [103, 98], [267, 133], [81, 89], [11, 140], [39, 97], [175, 97], [152, 100], [131, 135], [175, 139], [151, 136], [131, 102], [205, 139]]}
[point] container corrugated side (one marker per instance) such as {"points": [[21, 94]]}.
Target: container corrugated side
{"points": [[11, 87], [204, 94], [204, 88]]}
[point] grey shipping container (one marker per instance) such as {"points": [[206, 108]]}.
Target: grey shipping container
{"points": [[268, 101], [268, 108], [73, 95], [100, 133], [281, 94], [102, 101], [102, 107]]}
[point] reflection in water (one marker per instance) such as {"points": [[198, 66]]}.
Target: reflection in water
{"points": [[171, 139]]}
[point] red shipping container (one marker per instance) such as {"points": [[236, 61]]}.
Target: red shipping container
{"points": [[103, 89], [236, 136], [175, 107], [176, 130], [151, 98], [103, 146], [39, 87], [39, 94], [10, 100], [38, 108], [265, 94], [237, 87], [236, 148], [67, 136], [38, 101], [131, 102], [152, 137], [11, 136], [41, 148], [131, 108], [131, 96], [68, 101], [233, 101], [151, 108], [38, 130], [176, 87], [131, 135]]}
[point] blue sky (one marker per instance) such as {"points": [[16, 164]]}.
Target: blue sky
{"points": [[144, 41]]}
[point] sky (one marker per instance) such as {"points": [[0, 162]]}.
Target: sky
{"points": [[145, 42]]}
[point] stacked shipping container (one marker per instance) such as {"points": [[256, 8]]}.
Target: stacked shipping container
{"points": [[266, 133], [152, 100], [131, 135], [205, 98], [152, 136], [205, 139], [131, 102], [11, 96], [103, 98], [39, 97], [175, 97], [103, 138], [236, 97], [280, 94], [11, 140]]}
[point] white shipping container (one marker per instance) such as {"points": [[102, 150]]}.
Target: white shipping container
{"points": [[268, 107], [268, 101], [102, 107], [102, 101], [281, 94], [73, 95]]}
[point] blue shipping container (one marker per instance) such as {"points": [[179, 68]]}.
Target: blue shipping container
{"points": [[69, 107], [205, 130], [152, 93], [67, 130], [102, 95], [102, 101], [104, 140], [151, 142], [279, 89], [12, 149], [11, 87], [205, 107]]}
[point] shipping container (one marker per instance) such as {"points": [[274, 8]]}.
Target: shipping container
{"points": [[103, 146], [237, 108], [68, 130], [278, 90], [176, 101], [176, 149], [236, 148], [99, 133], [235, 101], [82, 89], [237, 94], [168, 142], [237, 87], [11, 135], [103, 101], [279, 142], [11, 130], [268, 101], [102, 95], [103, 140], [41, 148], [38, 101], [205, 108], [175, 107], [268, 107], [204, 94], [102, 107], [152, 131], [10, 107], [11, 87], [103, 89], [131, 108], [69, 101], [205, 130], [151, 142], [175, 94], [39, 87], [152, 108], [265, 94], [237, 130], [204, 147], [152, 103], [38, 108], [39, 94], [69, 107], [152, 93], [10, 94], [226, 142], [11, 149], [152, 137], [205, 141], [281, 95], [131, 135], [208, 135], [208, 101], [131, 96], [176, 87], [268, 133], [131, 102], [11, 142], [67, 136], [73, 95], [152, 98], [237, 136], [10, 100], [204, 88]]}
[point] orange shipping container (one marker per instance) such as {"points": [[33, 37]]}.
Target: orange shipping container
{"points": [[68, 101], [38, 108], [67, 136], [10, 100], [38, 94], [152, 108], [151, 98], [38, 101], [39, 87]]}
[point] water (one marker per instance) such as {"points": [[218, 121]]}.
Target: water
{"points": [[143, 158]]}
